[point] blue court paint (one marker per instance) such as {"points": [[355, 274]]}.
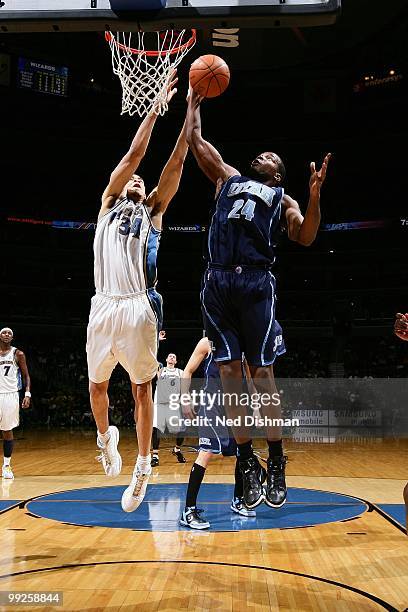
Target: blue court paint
{"points": [[4, 504], [395, 511], [163, 504]]}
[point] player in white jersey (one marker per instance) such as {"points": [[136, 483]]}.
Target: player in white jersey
{"points": [[11, 361], [168, 383], [126, 310]]}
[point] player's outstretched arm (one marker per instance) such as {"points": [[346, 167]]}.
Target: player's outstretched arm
{"points": [[169, 181], [131, 161], [207, 156], [303, 229], [22, 364], [199, 354]]}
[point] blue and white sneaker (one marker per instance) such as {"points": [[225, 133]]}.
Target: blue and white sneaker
{"points": [[191, 518], [237, 505]]}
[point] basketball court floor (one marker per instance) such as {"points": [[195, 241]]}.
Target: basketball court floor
{"points": [[338, 544]]}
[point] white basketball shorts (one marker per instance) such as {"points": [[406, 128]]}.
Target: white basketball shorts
{"points": [[9, 411], [166, 416], [122, 330]]}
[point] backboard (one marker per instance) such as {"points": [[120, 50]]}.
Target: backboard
{"points": [[150, 15]]}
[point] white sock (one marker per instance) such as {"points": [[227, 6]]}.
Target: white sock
{"points": [[143, 463], [176, 449], [6, 461], [104, 437]]}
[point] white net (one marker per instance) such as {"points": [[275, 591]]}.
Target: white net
{"points": [[145, 73]]}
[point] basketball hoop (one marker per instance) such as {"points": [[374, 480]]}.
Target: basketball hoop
{"points": [[144, 73]]}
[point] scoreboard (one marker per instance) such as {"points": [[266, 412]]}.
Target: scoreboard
{"points": [[42, 77]]}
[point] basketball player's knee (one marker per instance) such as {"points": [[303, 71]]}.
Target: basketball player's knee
{"points": [[231, 369], [97, 390], [143, 393], [263, 373], [264, 379], [203, 458]]}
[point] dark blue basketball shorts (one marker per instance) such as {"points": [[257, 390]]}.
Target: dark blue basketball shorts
{"points": [[239, 315]]}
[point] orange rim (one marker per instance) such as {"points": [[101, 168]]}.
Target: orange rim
{"points": [[110, 38]]}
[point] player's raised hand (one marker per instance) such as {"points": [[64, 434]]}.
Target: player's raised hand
{"points": [[401, 326], [317, 177], [162, 335], [171, 88], [171, 91], [193, 98]]}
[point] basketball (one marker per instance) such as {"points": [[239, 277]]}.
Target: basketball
{"points": [[209, 76]]}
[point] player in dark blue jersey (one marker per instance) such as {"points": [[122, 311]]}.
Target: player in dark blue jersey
{"points": [[238, 297], [213, 436]]}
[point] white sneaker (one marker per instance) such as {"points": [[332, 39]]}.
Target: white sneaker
{"points": [[109, 457], [133, 496], [7, 472]]}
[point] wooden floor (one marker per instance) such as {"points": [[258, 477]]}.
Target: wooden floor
{"points": [[326, 567]]}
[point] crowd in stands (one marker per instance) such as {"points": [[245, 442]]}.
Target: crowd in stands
{"points": [[60, 381], [376, 357]]}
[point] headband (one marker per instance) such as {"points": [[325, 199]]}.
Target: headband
{"points": [[6, 329]]}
